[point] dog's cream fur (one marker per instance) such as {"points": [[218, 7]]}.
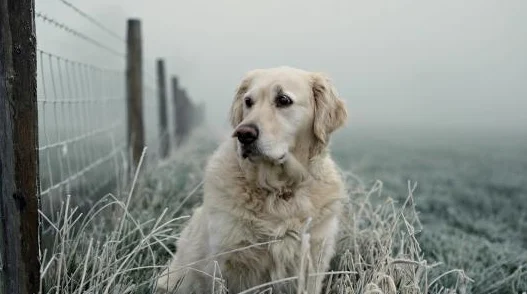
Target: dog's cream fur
{"points": [[288, 193]]}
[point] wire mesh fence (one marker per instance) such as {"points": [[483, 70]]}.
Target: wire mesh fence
{"points": [[82, 104], [81, 128]]}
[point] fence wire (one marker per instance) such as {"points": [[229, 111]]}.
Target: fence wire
{"points": [[82, 120], [93, 20], [81, 128], [74, 32]]}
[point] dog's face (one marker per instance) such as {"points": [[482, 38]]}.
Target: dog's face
{"points": [[276, 109]]}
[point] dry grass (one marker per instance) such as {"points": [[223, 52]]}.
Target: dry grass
{"points": [[98, 252]]}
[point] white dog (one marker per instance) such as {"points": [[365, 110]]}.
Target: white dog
{"points": [[271, 193]]}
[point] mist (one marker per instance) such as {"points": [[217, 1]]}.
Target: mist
{"points": [[427, 64]]}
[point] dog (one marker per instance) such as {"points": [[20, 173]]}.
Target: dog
{"points": [[272, 193]]}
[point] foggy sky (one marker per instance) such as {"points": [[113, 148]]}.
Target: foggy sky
{"points": [[417, 63]]}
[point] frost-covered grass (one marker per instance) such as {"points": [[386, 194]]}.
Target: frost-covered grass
{"points": [[471, 196], [122, 243]]}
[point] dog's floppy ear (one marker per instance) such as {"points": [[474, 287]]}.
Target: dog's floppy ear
{"points": [[236, 113], [330, 110]]}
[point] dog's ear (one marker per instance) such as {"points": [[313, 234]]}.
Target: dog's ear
{"points": [[330, 110], [236, 113]]}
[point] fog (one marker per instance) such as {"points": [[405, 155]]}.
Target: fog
{"points": [[440, 64]]}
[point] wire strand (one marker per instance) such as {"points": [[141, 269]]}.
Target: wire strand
{"points": [[90, 65], [93, 20], [76, 33]]}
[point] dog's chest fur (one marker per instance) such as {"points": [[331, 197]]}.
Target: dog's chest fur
{"points": [[265, 234]]}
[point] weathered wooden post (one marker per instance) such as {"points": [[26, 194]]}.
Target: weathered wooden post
{"points": [[19, 198], [191, 115], [164, 136], [184, 116], [181, 111], [134, 93], [175, 103]]}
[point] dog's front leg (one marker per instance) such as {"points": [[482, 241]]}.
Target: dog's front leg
{"points": [[322, 249], [184, 273]]}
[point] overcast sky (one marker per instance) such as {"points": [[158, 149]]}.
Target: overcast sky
{"points": [[434, 63]]}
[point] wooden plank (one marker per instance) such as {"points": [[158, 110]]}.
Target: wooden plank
{"points": [[19, 199]]}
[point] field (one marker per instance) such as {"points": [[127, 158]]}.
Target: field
{"points": [[471, 196], [427, 213]]}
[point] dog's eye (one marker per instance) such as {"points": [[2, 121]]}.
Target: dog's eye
{"points": [[283, 100], [248, 102]]}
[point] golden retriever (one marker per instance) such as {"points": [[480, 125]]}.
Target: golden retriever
{"points": [[271, 193]]}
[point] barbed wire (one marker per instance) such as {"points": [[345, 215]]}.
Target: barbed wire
{"points": [[76, 33], [101, 26], [93, 20]]}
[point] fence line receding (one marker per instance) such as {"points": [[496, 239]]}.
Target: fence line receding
{"points": [[82, 104]]}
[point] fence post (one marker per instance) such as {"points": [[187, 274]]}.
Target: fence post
{"points": [[183, 115], [19, 203], [163, 119], [191, 115], [177, 111], [134, 87]]}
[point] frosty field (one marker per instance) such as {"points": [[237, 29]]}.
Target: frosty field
{"points": [[471, 196], [464, 225]]}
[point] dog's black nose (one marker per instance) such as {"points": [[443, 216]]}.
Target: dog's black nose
{"points": [[247, 134]]}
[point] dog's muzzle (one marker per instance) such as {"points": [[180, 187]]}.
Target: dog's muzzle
{"points": [[247, 135]]}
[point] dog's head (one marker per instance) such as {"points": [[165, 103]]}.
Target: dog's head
{"points": [[275, 110]]}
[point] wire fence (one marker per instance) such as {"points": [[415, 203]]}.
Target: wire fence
{"points": [[82, 106], [81, 128]]}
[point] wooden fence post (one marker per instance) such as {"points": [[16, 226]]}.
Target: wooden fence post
{"points": [[19, 198], [134, 87], [191, 120], [184, 115], [163, 119], [176, 94]]}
